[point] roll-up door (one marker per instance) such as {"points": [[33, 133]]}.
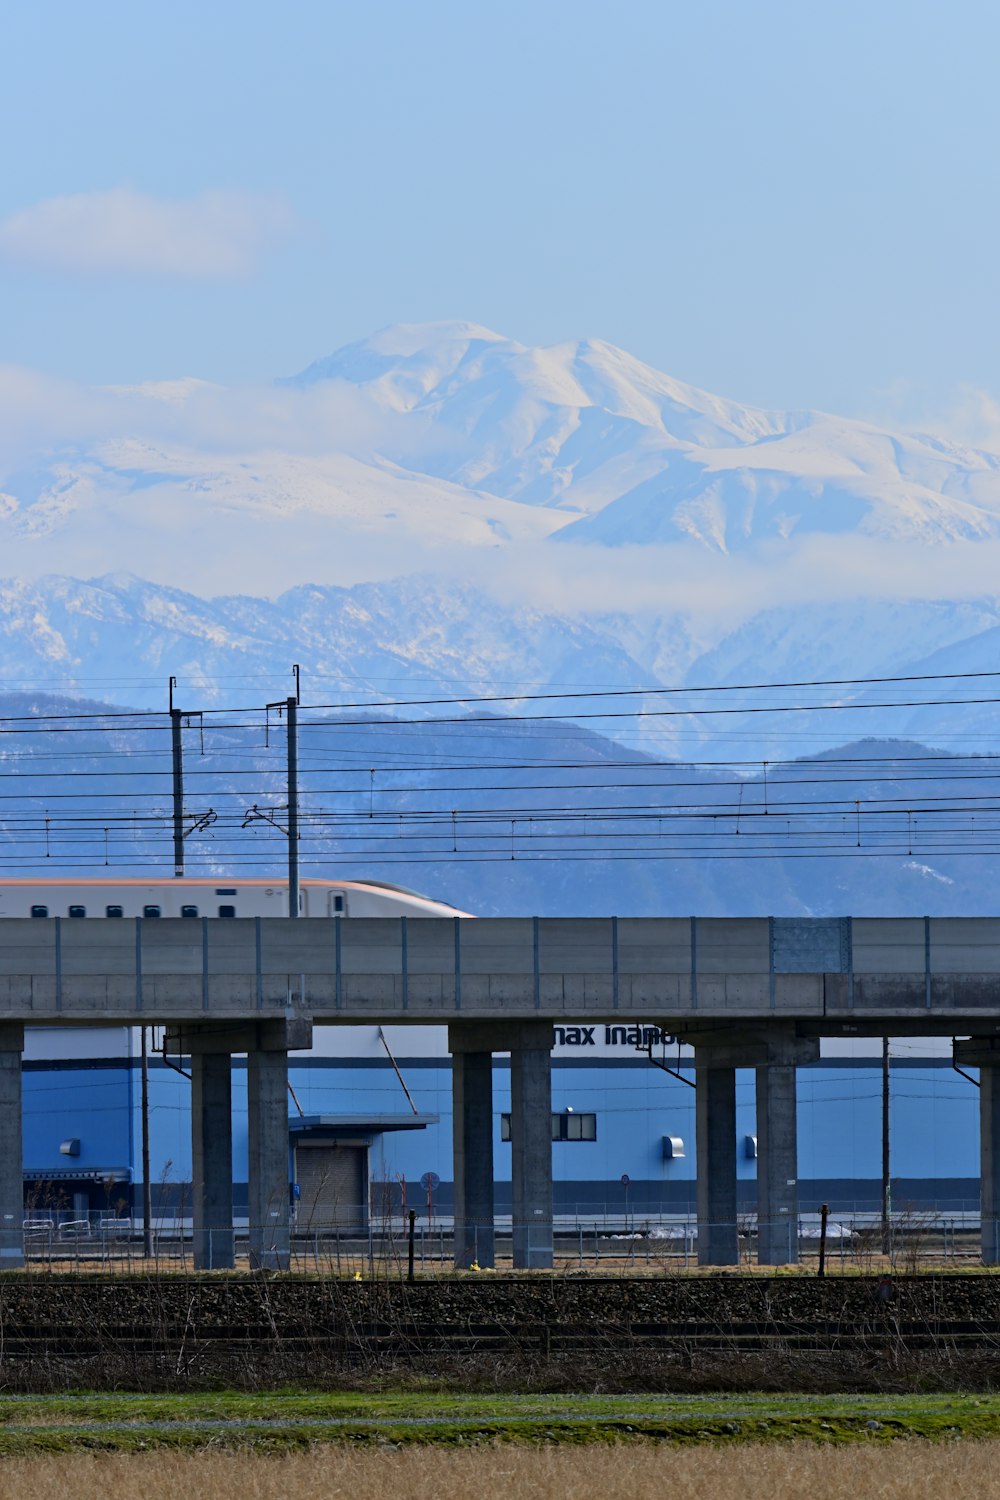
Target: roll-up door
{"points": [[333, 1184]]}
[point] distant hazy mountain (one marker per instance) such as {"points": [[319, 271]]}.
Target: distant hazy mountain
{"points": [[502, 817], [419, 637]]}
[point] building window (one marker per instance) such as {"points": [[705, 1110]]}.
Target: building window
{"points": [[151, 911], [189, 911], [39, 911], [78, 911], [114, 911], [227, 911], [566, 1126]]}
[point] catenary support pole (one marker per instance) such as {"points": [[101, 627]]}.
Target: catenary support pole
{"points": [[292, 709], [177, 765], [715, 1140]]}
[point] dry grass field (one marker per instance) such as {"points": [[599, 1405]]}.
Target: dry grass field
{"points": [[624, 1471]]}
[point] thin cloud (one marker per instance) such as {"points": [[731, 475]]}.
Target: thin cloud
{"points": [[217, 235]]}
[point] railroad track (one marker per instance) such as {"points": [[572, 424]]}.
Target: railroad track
{"points": [[486, 1338]]}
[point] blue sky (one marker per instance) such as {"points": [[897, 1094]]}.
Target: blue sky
{"points": [[789, 203]]}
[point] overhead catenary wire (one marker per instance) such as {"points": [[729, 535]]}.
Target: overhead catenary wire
{"points": [[81, 802]]}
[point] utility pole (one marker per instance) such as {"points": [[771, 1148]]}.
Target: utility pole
{"points": [[176, 755], [886, 1186]]}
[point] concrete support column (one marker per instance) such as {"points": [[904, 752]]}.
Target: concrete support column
{"points": [[983, 1052], [472, 1105], [777, 1167], [531, 1143], [989, 1160], [11, 1173], [715, 1139], [212, 1161], [267, 1107]]}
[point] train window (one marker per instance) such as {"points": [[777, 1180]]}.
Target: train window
{"points": [[39, 911], [151, 911], [227, 911], [224, 890], [114, 911], [336, 905], [78, 911], [189, 911]]}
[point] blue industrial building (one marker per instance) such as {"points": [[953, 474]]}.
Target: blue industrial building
{"points": [[378, 1108]]}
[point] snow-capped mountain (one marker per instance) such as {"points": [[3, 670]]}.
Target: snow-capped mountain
{"points": [[447, 436], [440, 509], [640, 457]]}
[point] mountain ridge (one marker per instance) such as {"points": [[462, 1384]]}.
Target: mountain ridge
{"points": [[441, 505]]}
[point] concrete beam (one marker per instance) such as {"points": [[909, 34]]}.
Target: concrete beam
{"points": [[289, 1033], [977, 1052], [212, 1161], [715, 1142], [11, 1175], [498, 1036], [267, 1108], [472, 1114], [531, 1145], [737, 1045]]}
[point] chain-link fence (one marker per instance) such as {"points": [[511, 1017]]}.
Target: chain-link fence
{"points": [[361, 1245]]}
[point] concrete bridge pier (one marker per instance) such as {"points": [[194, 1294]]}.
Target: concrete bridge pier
{"points": [[778, 1052], [472, 1117], [774, 1051], [11, 1174], [531, 1143], [715, 1150], [989, 1158], [777, 1167], [983, 1052], [472, 1045], [211, 1159], [211, 1048], [268, 1165]]}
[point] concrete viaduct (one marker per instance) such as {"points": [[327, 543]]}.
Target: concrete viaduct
{"points": [[744, 992]]}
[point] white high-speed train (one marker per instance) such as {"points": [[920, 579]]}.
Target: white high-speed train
{"points": [[214, 897]]}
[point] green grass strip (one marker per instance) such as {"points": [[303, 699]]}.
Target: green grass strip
{"points": [[280, 1423]]}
